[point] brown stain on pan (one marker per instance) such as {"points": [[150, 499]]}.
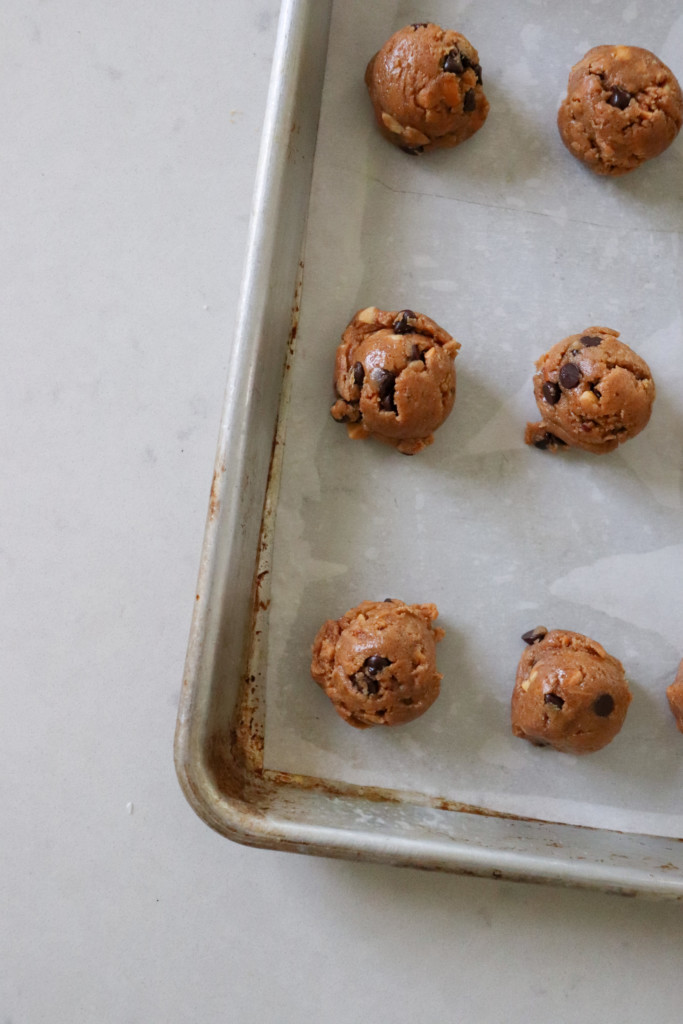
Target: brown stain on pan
{"points": [[378, 794], [214, 500], [235, 757]]}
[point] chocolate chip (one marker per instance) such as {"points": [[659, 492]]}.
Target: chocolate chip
{"points": [[385, 381], [591, 340], [546, 441], [554, 699], [452, 62], [619, 98], [387, 403], [415, 353], [400, 324], [551, 392], [419, 24], [364, 683], [388, 600], [374, 664], [603, 705], [570, 375], [467, 63], [470, 101], [532, 636], [364, 680], [412, 150], [358, 374]]}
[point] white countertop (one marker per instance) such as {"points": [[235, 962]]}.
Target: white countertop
{"points": [[130, 140]]}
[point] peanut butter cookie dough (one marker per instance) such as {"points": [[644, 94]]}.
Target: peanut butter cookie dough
{"points": [[569, 693], [377, 663], [674, 695], [395, 377], [623, 107], [592, 391], [426, 88]]}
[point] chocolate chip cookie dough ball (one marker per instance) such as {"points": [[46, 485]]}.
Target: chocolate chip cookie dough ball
{"points": [[592, 391], [395, 377], [425, 87], [674, 695], [623, 107], [569, 693], [377, 663]]}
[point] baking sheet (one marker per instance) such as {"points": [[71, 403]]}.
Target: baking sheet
{"points": [[511, 245]]}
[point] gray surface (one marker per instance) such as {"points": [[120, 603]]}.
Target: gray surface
{"points": [[131, 918]]}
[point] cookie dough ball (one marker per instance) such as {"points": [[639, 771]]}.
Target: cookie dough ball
{"points": [[377, 664], [395, 377], [623, 107], [425, 87], [569, 693], [592, 391], [674, 695]]}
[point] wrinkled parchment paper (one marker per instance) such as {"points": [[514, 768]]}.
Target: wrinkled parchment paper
{"points": [[510, 244]]}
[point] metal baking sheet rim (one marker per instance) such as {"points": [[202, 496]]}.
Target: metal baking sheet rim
{"points": [[221, 770]]}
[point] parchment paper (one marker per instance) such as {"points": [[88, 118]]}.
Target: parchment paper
{"points": [[511, 245]]}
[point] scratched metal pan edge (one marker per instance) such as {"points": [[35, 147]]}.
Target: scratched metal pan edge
{"points": [[219, 734], [241, 469]]}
